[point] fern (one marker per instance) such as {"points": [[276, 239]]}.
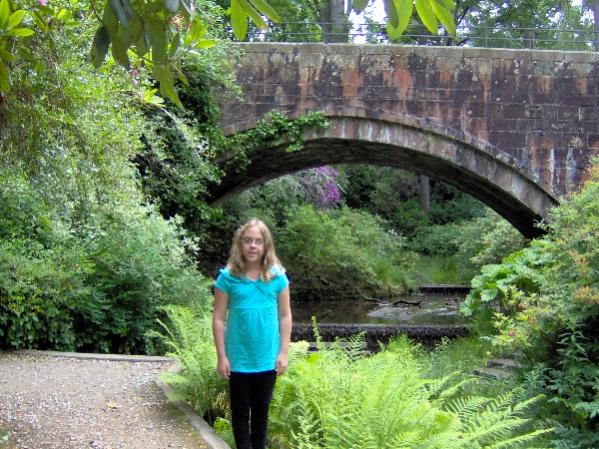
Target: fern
{"points": [[189, 338], [340, 398]]}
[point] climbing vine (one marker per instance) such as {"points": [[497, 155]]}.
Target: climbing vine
{"points": [[275, 128]]}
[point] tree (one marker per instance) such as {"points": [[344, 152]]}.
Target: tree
{"points": [[593, 5], [535, 23]]}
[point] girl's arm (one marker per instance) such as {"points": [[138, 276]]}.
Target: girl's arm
{"points": [[219, 319], [284, 330]]}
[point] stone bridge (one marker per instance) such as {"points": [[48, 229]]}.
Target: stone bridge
{"points": [[514, 128]]}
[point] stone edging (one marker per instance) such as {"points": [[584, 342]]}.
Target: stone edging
{"points": [[210, 437]]}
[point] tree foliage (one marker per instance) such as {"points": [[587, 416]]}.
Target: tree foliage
{"points": [[157, 34], [85, 264]]}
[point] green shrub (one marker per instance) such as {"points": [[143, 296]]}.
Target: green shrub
{"points": [[84, 265], [439, 240], [486, 240], [439, 270], [42, 271], [41, 291], [548, 295], [342, 254], [468, 244], [93, 285], [139, 264]]}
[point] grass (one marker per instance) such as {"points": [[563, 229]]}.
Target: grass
{"points": [[5, 440], [440, 270]]}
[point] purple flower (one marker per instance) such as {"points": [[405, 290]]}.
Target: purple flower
{"points": [[320, 187]]}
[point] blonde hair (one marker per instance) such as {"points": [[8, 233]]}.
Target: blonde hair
{"points": [[236, 262]]}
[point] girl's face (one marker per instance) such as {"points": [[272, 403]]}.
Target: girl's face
{"points": [[252, 245]]}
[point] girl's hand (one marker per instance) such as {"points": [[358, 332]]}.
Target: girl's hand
{"points": [[223, 368], [281, 366]]}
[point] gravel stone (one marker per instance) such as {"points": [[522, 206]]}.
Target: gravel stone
{"points": [[49, 402]]}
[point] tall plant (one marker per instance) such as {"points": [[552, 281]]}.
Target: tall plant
{"points": [[338, 399]]}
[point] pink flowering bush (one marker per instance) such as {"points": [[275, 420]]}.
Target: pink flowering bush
{"points": [[320, 187]]}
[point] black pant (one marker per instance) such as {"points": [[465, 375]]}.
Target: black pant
{"points": [[250, 397]]}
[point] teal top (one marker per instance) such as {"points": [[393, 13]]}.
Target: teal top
{"points": [[252, 341]]}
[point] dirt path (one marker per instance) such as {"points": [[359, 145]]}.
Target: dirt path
{"points": [[51, 402]]}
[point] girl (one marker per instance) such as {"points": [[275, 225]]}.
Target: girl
{"points": [[252, 327]]}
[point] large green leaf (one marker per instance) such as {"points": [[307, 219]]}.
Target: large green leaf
{"points": [[205, 43], [175, 44], [110, 20], [449, 4], [21, 32], [119, 52], [167, 89], [253, 14], [427, 15], [359, 5], [197, 30], [444, 15], [4, 13], [266, 9], [7, 56], [135, 29], [159, 42], [100, 46], [40, 21], [238, 20], [404, 10], [15, 19], [4, 78], [391, 11], [142, 45], [119, 10], [123, 37]]}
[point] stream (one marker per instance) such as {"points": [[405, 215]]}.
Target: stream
{"points": [[432, 309]]}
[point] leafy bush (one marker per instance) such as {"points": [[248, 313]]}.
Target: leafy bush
{"points": [[40, 292], [41, 271], [549, 297], [485, 240], [343, 253], [84, 265], [506, 287], [393, 195], [96, 286], [438, 240], [464, 247], [139, 264]]}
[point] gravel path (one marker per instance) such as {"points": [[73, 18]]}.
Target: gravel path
{"points": [[51, 402]]}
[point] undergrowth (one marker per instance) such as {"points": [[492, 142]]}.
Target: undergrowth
{"points": [[336, 397]]}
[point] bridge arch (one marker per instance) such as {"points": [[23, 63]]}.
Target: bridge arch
{"points": [[409, 143]]}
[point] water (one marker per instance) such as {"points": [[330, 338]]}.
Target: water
{"points": [[433, 309]]}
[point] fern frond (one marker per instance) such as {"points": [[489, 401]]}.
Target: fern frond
{"points": [[521, 440], [466, 408]]}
